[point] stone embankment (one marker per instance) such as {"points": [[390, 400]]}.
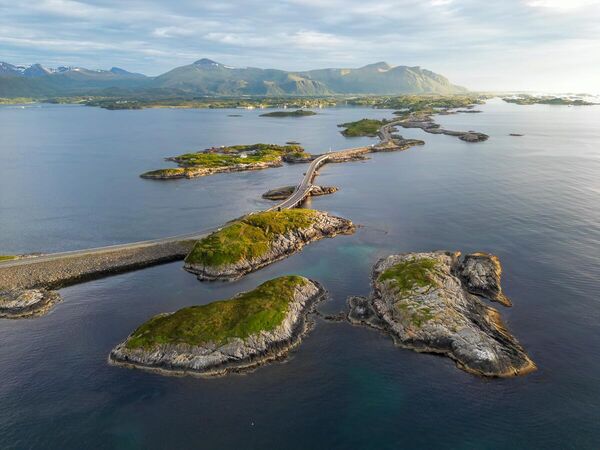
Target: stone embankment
{"points": [[25, 285]]}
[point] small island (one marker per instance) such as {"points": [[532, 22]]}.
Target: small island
{"points": [[284, 192], [21, 303], [429, 302], [362, 127], [232, 335], [260, 239], [235, 158], [296, 113]]}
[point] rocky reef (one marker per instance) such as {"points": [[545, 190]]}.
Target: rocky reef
{"points": [[284, 192], [21, 303], [232, 335], [429, 302], [260, 239]]}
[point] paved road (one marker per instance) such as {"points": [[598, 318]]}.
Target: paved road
{"points": [[114, 258]]}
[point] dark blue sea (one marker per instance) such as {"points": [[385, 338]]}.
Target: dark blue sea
{"points": [[69, 180]]}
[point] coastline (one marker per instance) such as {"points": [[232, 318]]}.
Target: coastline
{"points": [[273, 351]]}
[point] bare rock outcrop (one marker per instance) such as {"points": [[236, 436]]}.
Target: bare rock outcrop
{"points": [[21, 303], [426, 302]]}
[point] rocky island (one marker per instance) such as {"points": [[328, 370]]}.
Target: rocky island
{"points": [[425, 122], [232, 335], [260, 239], [296, 113], [362, 127], [429, 302], [234, 158], [21, 303], [284, 192]]}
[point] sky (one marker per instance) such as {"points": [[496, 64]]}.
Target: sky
{"points": [[535, 45]]}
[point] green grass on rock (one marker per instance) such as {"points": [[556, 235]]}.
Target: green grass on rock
{"points": [[249, 237], [407, 276], [262, 309]]}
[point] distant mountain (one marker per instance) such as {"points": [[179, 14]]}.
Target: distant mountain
{"points": [[39, 81], [212, 78], [207, 77]]}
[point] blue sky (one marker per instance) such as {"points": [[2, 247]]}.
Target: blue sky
{"points": [[545, 45]]}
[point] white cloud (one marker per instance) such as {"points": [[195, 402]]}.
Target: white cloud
{"points": [[562, 5]]}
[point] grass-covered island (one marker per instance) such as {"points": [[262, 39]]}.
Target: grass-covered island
{"points": [[235, 158], [547, 100], [225, 336], [363, 127], [429, 302], [260, 239], [296, 113]]}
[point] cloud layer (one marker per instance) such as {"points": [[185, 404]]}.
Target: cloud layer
{"points": [[551, 45]]}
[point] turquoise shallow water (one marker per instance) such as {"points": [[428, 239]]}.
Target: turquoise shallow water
{"points": [[69, 180]]}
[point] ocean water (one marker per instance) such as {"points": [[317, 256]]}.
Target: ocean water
{"points": [[68, 180]]}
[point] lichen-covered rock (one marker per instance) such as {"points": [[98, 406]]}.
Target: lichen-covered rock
{"points": [[20, 303], [421, 301], [238, 352]]}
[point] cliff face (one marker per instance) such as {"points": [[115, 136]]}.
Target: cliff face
{"points": [[426, 302], [235, 354]]}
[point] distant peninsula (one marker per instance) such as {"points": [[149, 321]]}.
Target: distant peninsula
{"points": [[547, 100]]}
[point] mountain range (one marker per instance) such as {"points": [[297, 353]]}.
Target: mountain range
{"points": [[210, 78]]}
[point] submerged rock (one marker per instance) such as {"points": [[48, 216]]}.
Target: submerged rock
{"points": [[426, 302], [20, 303], [232, 335]]}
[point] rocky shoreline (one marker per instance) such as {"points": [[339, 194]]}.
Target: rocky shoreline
{"points": [[234, 355], [284, 192], [194, 172], [22, 303], [428, 302], [280, 246]]}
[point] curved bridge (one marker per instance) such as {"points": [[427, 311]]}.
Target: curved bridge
{"points": [[60, 269]]}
